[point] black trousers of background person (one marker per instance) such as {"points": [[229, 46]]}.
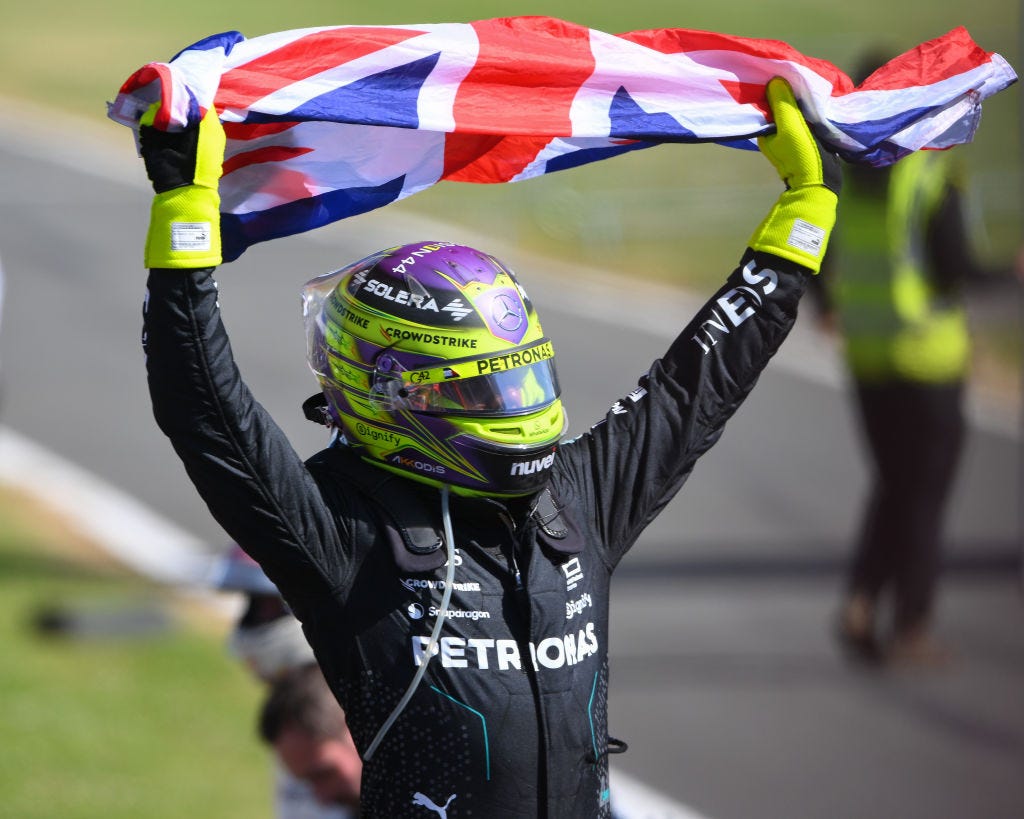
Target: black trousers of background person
{"points": [[914, 433]]}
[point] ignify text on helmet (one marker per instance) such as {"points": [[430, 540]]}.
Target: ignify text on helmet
{"points": [[378, 435]]}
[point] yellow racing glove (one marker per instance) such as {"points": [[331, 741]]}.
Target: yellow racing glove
{"points": [[799, 225], [185, 169]]}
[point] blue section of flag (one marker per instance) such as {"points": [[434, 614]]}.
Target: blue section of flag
{"points": [[239, 231], [874, 131], [226, 40], [193, 115], [749, 144], [583, 156], [880, 156], [390, 98], [630, 121]]}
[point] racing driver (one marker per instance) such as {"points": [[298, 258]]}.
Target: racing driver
{"points": [[448, 553]]}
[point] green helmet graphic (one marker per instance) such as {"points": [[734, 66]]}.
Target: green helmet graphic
{"points": [[432, 360]]}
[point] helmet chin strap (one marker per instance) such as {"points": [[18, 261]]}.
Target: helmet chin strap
{"points": [[449, 582]]}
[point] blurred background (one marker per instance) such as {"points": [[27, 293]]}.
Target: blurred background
{"points": [[117, 697]]}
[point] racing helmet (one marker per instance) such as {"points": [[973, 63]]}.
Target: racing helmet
{"points": [[432, 360]]}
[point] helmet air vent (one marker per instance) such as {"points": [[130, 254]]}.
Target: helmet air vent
{"points": [[507, 430]]}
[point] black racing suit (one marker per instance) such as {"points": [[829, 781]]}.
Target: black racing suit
{"points": [[510, 719]]}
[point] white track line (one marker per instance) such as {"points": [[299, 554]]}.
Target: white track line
{"points": [[130, 531]]}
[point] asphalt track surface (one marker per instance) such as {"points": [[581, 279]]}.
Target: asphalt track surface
{"points": [[725, 680]]}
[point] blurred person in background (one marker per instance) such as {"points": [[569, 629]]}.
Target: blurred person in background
{"points": [[268, 639], [894, 291], [302, 722]]}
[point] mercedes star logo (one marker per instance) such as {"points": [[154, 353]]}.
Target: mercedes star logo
{"points": [[507, 313]]}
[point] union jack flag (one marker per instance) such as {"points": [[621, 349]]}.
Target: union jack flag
{"points": [[326, 123]]}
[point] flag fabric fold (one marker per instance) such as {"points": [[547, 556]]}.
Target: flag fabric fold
{"points": [[326, 123]]}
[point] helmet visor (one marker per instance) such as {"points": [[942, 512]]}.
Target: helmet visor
{"points": [[509, 392]]}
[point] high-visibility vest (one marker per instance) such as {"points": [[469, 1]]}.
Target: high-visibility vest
{"points": [[895, 323]]}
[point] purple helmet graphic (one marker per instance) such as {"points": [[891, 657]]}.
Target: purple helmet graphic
{"points": [[432, 359]]}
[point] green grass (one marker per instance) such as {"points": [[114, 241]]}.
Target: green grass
{"points": [[156, 726]]}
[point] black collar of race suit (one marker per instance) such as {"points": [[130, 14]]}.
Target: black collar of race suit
{"points": [[408, 517], [411, 516]]}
